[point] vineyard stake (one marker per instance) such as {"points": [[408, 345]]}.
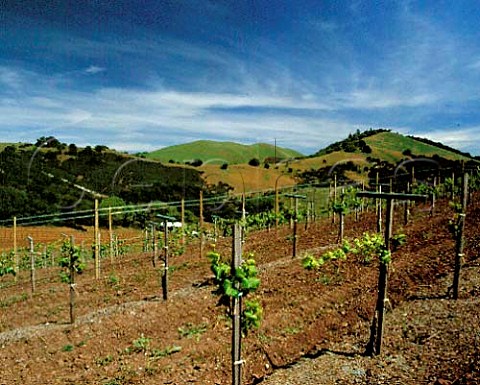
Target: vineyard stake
{"points": [[375, 343], [154, 246], [453, 186], [15, 255], [182, 219], [460, 241], [334, 196], [32, 265], [110, 233], [314, 214], [44, 256], [201, 223], [116, 245], [342, 219], [97, 246], [72, 282], [379, 211], [296, 197], [165, 219], [215, 234], [237, 309], [145, 241]]}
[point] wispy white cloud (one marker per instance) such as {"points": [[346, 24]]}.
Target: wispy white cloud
{"points": [[310, 95], [136, 120], [142, 120], [464, 138], [10, 78], [94, 69]]}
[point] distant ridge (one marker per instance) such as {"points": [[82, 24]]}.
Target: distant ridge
{"points": [[214, 152], [388, 146]]}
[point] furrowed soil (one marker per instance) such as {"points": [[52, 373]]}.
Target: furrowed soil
{"points": [[315, 325]]}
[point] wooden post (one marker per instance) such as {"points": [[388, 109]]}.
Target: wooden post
{"points": [[99, 242], [334, 195], [314, 206], [291, 205], [236, 310], [32, 265], [145, 241], [276, 206], [244, 212], [15, 253], [44, 257], [182, 219], [295, 227], [307, 214], [165, 219], [329, 208], [110, 233], [453, 185], [362, 204], [165, 261], [72, 281], [295, 197], [342, 219], [96, 244], [201, 223], [460, 241], [154, 245], [374, 345], [406, 207], [379, 211], [116, 245], [383, 279], [215, 234], [378, 206]]}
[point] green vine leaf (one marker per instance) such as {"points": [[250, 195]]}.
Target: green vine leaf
{"points": [[237, 284]]}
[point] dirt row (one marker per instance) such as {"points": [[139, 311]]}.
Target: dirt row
{"points": [[126, 335]]}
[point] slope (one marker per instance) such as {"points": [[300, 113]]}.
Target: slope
{"points": [[355, 157], [213, 152], [390, 146]]}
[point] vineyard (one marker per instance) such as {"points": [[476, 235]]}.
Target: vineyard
{"points": [[319, 302]]}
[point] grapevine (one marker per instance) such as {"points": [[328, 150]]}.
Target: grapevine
{"points": [[6, 265], [368, 247], [70, 261], [240, 283]]}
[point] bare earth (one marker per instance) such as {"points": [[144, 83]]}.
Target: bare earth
{"points": [[315, 327]]}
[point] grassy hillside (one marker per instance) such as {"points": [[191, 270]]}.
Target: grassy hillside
{"points": [[354, 157], [212, 152], [3, 145], [253, 178], [387, 146], [390, 146]]}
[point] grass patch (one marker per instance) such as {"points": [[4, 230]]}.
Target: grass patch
{"points": [[190, 330], [13, 300]]}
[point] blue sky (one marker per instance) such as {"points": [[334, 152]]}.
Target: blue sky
{"points": [[141, 74]]}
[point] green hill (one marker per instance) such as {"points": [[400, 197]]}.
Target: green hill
{"points": [[390, 146], [362, 154], [212, 152]]}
